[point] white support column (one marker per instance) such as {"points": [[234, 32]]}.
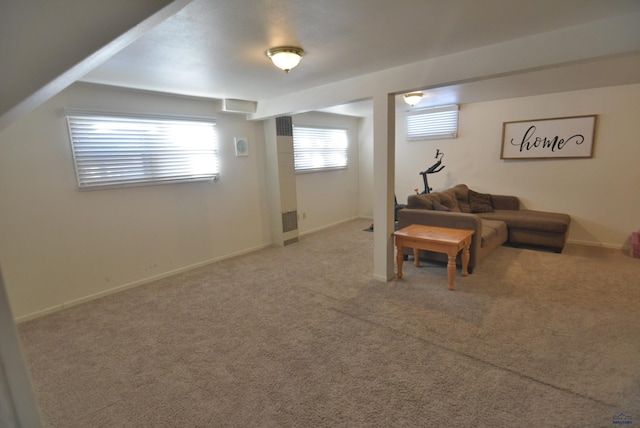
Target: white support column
{"points": [[383, 185]]}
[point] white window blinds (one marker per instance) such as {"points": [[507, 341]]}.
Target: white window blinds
{"points": [[432, 123], [317, 148], [115, 151]]}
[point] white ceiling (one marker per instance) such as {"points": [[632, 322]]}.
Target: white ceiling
{"points": [[216, 48]]}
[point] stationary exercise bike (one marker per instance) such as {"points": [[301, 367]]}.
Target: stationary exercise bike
{"points": [[436, 167]]}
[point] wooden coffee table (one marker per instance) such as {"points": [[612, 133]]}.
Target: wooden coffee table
{"points": [[439, 239]]}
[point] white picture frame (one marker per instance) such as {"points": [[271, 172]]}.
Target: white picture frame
{"points": [[242, 146], [562, 137]]}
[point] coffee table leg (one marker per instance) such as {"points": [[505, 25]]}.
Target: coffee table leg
{"points": [[451, 268], [416, 257], [400, 257], [465, 259]]}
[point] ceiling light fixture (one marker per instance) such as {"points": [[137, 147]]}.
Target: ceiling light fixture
{"points": [[413, 98], [285, 57]]}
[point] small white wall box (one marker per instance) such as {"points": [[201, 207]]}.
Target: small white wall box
{"points": [[242, 146]]}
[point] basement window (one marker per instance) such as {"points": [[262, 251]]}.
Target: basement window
{"points": [[319, 148], [136, 150], [432, 123]]}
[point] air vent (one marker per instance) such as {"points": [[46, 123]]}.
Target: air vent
{"points": [[289, 221], [284, 126], [291, 241]]}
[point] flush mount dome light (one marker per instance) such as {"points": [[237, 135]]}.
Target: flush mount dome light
{"points": [[285, 57], [413, 98]]}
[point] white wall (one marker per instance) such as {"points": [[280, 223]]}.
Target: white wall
{"points": [[59, 245], [328, 197], [599, 193]]}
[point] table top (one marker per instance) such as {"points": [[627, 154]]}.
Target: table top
{"points": [[433, 233]]}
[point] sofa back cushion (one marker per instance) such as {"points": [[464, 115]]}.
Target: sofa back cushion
{"points": [[424, 202], [462, 195], [449, 199], [455, 199], [439, 207]]}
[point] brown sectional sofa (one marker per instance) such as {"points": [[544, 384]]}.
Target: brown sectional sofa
{"points": [[496, 219]]}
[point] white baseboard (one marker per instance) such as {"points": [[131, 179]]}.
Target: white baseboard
{"points": [[327, 226], [382, 278], [129, 285], [596, 244]]}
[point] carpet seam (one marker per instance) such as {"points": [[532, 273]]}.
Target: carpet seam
{"points": [[472, 357]]}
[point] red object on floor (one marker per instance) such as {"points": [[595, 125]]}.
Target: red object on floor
{"points": [[635, 244]]}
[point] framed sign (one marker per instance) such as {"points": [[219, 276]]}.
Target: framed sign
{"points": [[562, 137]]}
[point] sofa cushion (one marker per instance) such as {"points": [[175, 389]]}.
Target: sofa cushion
{"points": [[531, 220], [464, 207], [449, 199], [462, 195], [480, 202], [462, 192], [421, 201], [491, 229], [439, 207]]}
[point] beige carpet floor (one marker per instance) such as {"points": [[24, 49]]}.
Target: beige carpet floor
{"points": [[302, 336]]}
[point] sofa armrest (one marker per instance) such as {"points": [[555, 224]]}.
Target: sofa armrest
{"points": [[505, 202]]}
